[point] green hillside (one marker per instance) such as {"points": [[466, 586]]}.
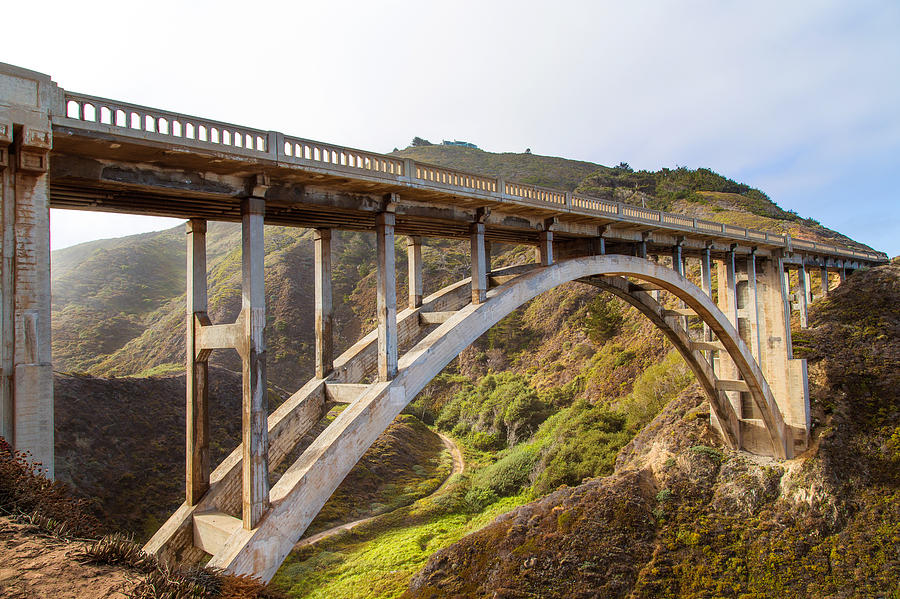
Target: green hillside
{"points": [[549, 171]]}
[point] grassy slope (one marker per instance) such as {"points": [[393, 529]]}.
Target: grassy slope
{"points": [[680, 518]]}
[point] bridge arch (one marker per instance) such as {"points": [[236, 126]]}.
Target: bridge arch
{"points": [[304, 488]]}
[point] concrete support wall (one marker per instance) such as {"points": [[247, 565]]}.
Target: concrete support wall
{"points": [[386, 300], [255, 433], [197, 366], [414, 262], [324, 303], [787, 377], [823, 275], [26, 380]]}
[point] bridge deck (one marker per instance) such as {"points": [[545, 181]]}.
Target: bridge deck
{"points": [[184, 166]]}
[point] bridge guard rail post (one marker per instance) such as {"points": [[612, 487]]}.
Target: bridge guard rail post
{"points": [[26, 381]]}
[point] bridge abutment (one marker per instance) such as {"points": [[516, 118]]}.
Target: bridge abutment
{"points": [[26, 387]]}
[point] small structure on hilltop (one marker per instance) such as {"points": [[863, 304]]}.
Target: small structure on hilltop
{"points": [[456, 142]]}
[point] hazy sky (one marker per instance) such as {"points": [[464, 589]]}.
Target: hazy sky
{"points": [[800, 99]]}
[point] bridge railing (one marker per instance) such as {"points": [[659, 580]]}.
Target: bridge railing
{"points": [[452, 179], [320, 155], [166, 126], [170, 127]]}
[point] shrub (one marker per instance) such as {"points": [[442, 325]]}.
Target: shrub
{"points": [[483, 441], [479, 498], [24, 490], [584, 444], [504, 407], [603, 319], [656, 387], [510, 474], [523, 416], [710, 452]]}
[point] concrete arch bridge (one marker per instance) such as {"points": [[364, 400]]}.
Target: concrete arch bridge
{"points": [[65, 150]]}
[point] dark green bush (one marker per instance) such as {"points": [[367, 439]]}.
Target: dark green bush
{"points": [[603, 319], [584, 445], [503, 409]]}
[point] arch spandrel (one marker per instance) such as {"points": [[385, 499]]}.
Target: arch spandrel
{"points": [[308, 483]]}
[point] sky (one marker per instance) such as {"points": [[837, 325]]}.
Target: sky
{"points": [[799, 99]]}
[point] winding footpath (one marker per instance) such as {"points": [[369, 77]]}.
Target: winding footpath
{"points": [[459, 465]]}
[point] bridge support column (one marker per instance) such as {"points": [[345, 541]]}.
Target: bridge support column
{"points": [[386, 299], [255, 432], [727, 300], [414, 262], [706, 285], [786, 376], [753, 306], [642, 246], [479, 264], [26, 380], [545, 249], [842, 275], [804, 296], [677, 259], [488, 251], [197, 366], [324, 304], [823, 275]]}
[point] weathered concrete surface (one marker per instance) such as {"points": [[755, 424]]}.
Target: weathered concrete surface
{"points": [[287, 425], [197, 366], [26, 381], [324, 304]]}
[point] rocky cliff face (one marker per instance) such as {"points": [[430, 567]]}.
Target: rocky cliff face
{"points": [[682, 517]]}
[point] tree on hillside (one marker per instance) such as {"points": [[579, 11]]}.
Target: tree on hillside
{"points": [[418, 141]]}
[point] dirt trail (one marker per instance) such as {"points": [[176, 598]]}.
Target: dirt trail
{"points": [[34, 566], [459, 464]]}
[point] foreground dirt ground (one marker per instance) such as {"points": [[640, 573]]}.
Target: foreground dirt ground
{"points": [[34, 566]]}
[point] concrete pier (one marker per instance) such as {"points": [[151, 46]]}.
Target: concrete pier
{"points": [[324, 303], [26, 380]]}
